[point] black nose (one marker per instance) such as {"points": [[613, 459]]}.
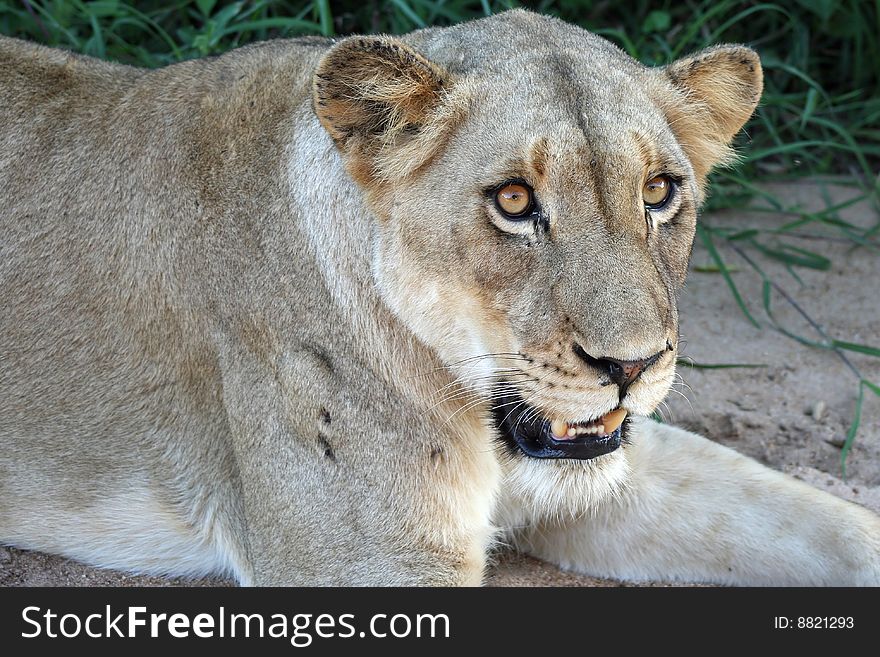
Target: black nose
{"points": [[622, 372]]}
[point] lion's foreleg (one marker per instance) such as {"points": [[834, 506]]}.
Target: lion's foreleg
{"points": [[693, 510]]}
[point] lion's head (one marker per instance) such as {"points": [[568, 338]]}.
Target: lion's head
{"points": [[536, 191]]}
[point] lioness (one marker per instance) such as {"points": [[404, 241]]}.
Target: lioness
{"points": [[319, 312]]}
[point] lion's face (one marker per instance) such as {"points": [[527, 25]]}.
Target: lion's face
{"points": [[554, 237], [536, 215]]}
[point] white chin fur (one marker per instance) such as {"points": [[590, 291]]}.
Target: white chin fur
{"points": [[544, 489]]}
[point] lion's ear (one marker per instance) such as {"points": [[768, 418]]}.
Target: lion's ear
{"points": [[720, 88], [371, 93]]}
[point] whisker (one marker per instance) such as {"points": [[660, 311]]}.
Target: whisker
{"points": [[684, 384], [484, 377], [664, 412], [494, 379], [465, 392], [464, 409], [503, 355], [533, 411], [685, 397], [518, 403]]}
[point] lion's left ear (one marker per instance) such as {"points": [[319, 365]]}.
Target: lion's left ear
{"points": [[375, 96], [720, 88]]}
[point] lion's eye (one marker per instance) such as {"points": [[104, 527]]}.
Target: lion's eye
{"points": [[514, 200], [656, 192]]}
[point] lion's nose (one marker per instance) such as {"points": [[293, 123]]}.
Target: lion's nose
{"points": [[622, 372], [625, 372]]}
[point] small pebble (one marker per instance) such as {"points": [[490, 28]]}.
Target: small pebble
{"points": [[818, 410]]}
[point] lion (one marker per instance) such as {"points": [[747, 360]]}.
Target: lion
{"points": [[357, 311]]}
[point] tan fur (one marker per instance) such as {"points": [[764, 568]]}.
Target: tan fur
{"points": [[256, 309], [719, 88]]}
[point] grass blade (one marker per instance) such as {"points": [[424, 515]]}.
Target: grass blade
{"points": [[853, 429], [705, 236], [859, 348]]}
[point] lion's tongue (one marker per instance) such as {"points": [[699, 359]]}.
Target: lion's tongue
{"points": [[603, 426]]}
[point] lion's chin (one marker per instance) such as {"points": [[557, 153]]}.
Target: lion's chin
{"points": [[523, 428]]}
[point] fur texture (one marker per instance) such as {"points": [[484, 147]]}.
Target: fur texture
{"points": [[256, 309]]}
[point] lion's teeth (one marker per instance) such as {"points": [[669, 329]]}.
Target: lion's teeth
{"points": [[559, 428], [607, 424], [614, 419]]}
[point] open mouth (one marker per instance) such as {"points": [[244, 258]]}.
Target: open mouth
{"points": [[523, 427]]}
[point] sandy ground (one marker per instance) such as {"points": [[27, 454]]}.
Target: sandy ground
{"points": [[791, 414]]}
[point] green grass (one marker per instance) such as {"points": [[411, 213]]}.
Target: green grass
{"points": [[820, 113]]}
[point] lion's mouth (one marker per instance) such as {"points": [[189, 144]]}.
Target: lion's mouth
{"points": [[524, 428]]}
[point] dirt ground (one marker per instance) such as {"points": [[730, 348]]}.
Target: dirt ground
{"points": [[791, 414]]}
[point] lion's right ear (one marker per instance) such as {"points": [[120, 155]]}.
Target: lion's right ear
{"points": [[374, 93]]}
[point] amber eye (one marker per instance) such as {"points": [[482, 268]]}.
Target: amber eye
{"points": [[514, 200], [656, 192]]}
